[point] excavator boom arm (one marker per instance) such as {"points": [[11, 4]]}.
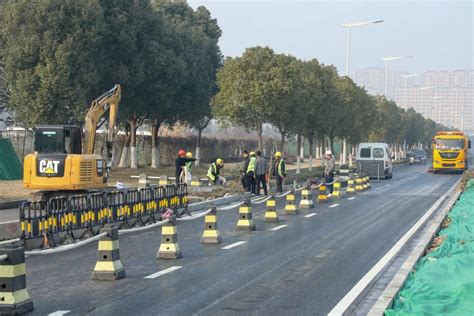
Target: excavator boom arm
{"points": [[107, 101]]}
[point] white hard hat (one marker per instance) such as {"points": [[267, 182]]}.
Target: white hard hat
{"points": [[328, 152]]}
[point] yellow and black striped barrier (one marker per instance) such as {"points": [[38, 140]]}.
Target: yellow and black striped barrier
{"points": [[211, 234], [306, 198], [14, 296], [271, 215], [109, 266], [245, 222], [169, 248], [290, 207]]}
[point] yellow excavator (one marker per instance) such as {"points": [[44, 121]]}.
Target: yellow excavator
{"points": [[61, 162]]}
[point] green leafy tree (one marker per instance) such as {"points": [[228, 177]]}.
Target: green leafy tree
{"points": [[195, 44], [48, 54], [248, 86]]}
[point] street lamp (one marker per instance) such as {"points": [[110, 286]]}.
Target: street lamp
{"points": [[406, 86], [349, 26], [387, 60]]}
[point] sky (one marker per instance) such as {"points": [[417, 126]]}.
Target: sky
{"points": [[438, 34]]}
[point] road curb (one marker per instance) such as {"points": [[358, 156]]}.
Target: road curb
{"points": [[386, 298], [199, 206]]}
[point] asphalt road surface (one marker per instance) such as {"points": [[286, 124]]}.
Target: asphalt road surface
{"points": [[303, 268]]}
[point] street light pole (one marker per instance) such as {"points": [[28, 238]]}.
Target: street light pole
{"points": [[388, 59], [349, 26]]}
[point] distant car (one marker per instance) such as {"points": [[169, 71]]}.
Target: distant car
{"points": [[417, 156]]}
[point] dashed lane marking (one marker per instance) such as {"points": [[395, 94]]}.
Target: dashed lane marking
{"points": [[279, 227], [59, 313], [163, 272], [310, 214], [334, 205], [352, 198], [235, 244]]}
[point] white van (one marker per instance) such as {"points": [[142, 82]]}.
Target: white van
{"points": [[375, 159]]}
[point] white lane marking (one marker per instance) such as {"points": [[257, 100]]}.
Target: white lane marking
{"points": [[352, 198], [310, 214], [334, 205], [235, 244], [279, 227], [352, 295], [163, 272], [387, 185], [59, 313]]}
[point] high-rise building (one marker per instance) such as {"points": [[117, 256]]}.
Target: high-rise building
{"points": [[446, 97]]}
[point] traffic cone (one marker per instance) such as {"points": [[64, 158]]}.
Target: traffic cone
{"points": [[169, 248], [306, 198], [350, 187], [108, 266], [290, 207], [336, 189], [14, 296], [322, 195], [271, 215], [245, 222], [211, 234]]}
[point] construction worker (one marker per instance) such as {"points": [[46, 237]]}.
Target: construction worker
{"points": [[329, 169], [245, 164], [180, 164], [189, 166], [250, 174], [279, 171], [214, 170], [260, 172]]}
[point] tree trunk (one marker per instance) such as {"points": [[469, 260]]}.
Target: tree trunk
{"points": [[133, 144], [318, 149], [198, 148], [311, 142], [302, 148], [344, 151], [124, 157], [331, 144], [155, 144], [260, 136], [282, 141], [298, 144]]}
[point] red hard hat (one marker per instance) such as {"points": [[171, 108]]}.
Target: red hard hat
{"points": [[182, 152]]}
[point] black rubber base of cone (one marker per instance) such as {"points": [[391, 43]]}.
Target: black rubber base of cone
{"points": [[17, 309], [108, 275]]}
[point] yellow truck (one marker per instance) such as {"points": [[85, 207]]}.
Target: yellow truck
{"points": [[450, 151]]}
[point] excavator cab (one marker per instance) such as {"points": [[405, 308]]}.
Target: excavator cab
{"points": [[58, 139]]}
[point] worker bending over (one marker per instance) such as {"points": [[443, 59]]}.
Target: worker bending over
{"points": [[214, 170]]}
